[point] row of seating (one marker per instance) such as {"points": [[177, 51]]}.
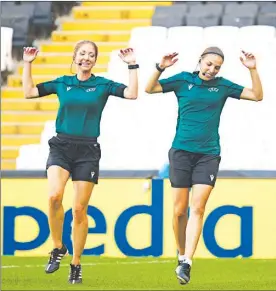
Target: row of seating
{"points": [[211, 14], [30, 20]]}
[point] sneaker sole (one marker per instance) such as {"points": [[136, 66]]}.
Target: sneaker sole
{"points": [[73, 283], [182, 281]]}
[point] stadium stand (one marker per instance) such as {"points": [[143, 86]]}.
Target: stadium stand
{"points": [[147, 125]]}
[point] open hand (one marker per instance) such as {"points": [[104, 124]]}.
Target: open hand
{"points": [[248, 60], [128, 56], [29, 54], [168, 60]]}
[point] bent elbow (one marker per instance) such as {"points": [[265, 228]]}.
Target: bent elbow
{"points": [[259, 98]]}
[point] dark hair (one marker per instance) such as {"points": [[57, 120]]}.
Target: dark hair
{"points": [[213, 50], [78, 46]]}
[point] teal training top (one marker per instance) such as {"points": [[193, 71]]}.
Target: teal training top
{"points": [[200, 104], [81, 103]]}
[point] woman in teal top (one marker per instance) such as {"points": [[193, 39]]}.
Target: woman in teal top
{"points": [[195, 153], [75, 150]]}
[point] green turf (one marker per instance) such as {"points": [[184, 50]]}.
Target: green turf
{"points": [[140, 274]]}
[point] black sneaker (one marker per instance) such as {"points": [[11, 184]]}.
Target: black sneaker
{"points": [[75, 274], [183, 272], [55, 257]]}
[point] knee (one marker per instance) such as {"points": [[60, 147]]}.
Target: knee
{"points": [[197, 211], [55, 199], [180, 210], [79, 213]]}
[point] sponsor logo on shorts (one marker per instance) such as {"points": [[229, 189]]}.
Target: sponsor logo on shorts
{"points": [[92, 174], [212, 177], [69, 88]]}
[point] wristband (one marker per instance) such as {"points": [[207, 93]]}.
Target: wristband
{"points": [[159, 69], [131, 67]]}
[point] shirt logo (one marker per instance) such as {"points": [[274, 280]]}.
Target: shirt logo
{"points": [[190, 86], [91, 90], [212, 177], [69, 88], [213, 89]]}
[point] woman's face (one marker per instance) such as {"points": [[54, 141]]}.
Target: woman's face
{"points": [[210, 65], [86, 57]]}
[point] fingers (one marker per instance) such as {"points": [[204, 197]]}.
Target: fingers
{"points": [[174, 61], [248, 55], [172, 55], [126, 51], [30, 50]]}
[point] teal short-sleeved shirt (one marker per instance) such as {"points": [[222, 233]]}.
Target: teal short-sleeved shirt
{"points": [[81, 103], [200, 104]]}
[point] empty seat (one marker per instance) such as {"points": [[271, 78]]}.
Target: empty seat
{"points": [[268, 8], [169, 16], [6, 48], [150, 39], [257, 37], [188, 42], [204, 15], [238, 21], [243, 9], [15, 9], [20, 26], [266, 19], [43, 19], [206, 10], [221, 36], [31, 157]]}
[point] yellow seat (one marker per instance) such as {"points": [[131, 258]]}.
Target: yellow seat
{"points": [[11, 128], [48, 106], [8, 164], [12, 93], [125, 3], [69, 47], [9, 152], [19, 105], [62, 59], [75, 36], [59, 69], [104, 25], [27, 117], [114, 13], [18, 140]]}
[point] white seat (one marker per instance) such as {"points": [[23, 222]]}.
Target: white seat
{"points": [[220, 36], [6, 49], [31, 157], [150, 40], [256, 38], [48, 132]]}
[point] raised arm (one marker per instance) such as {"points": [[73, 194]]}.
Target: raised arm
{"points": [[128, 56], [29, 55], [256, 92], [153, 86]]}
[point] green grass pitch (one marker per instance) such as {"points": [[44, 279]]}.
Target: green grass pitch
{"points": [[22, 273]]}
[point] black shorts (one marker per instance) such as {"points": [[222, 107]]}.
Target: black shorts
{"points": [[188, 169], [79, 156]]}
